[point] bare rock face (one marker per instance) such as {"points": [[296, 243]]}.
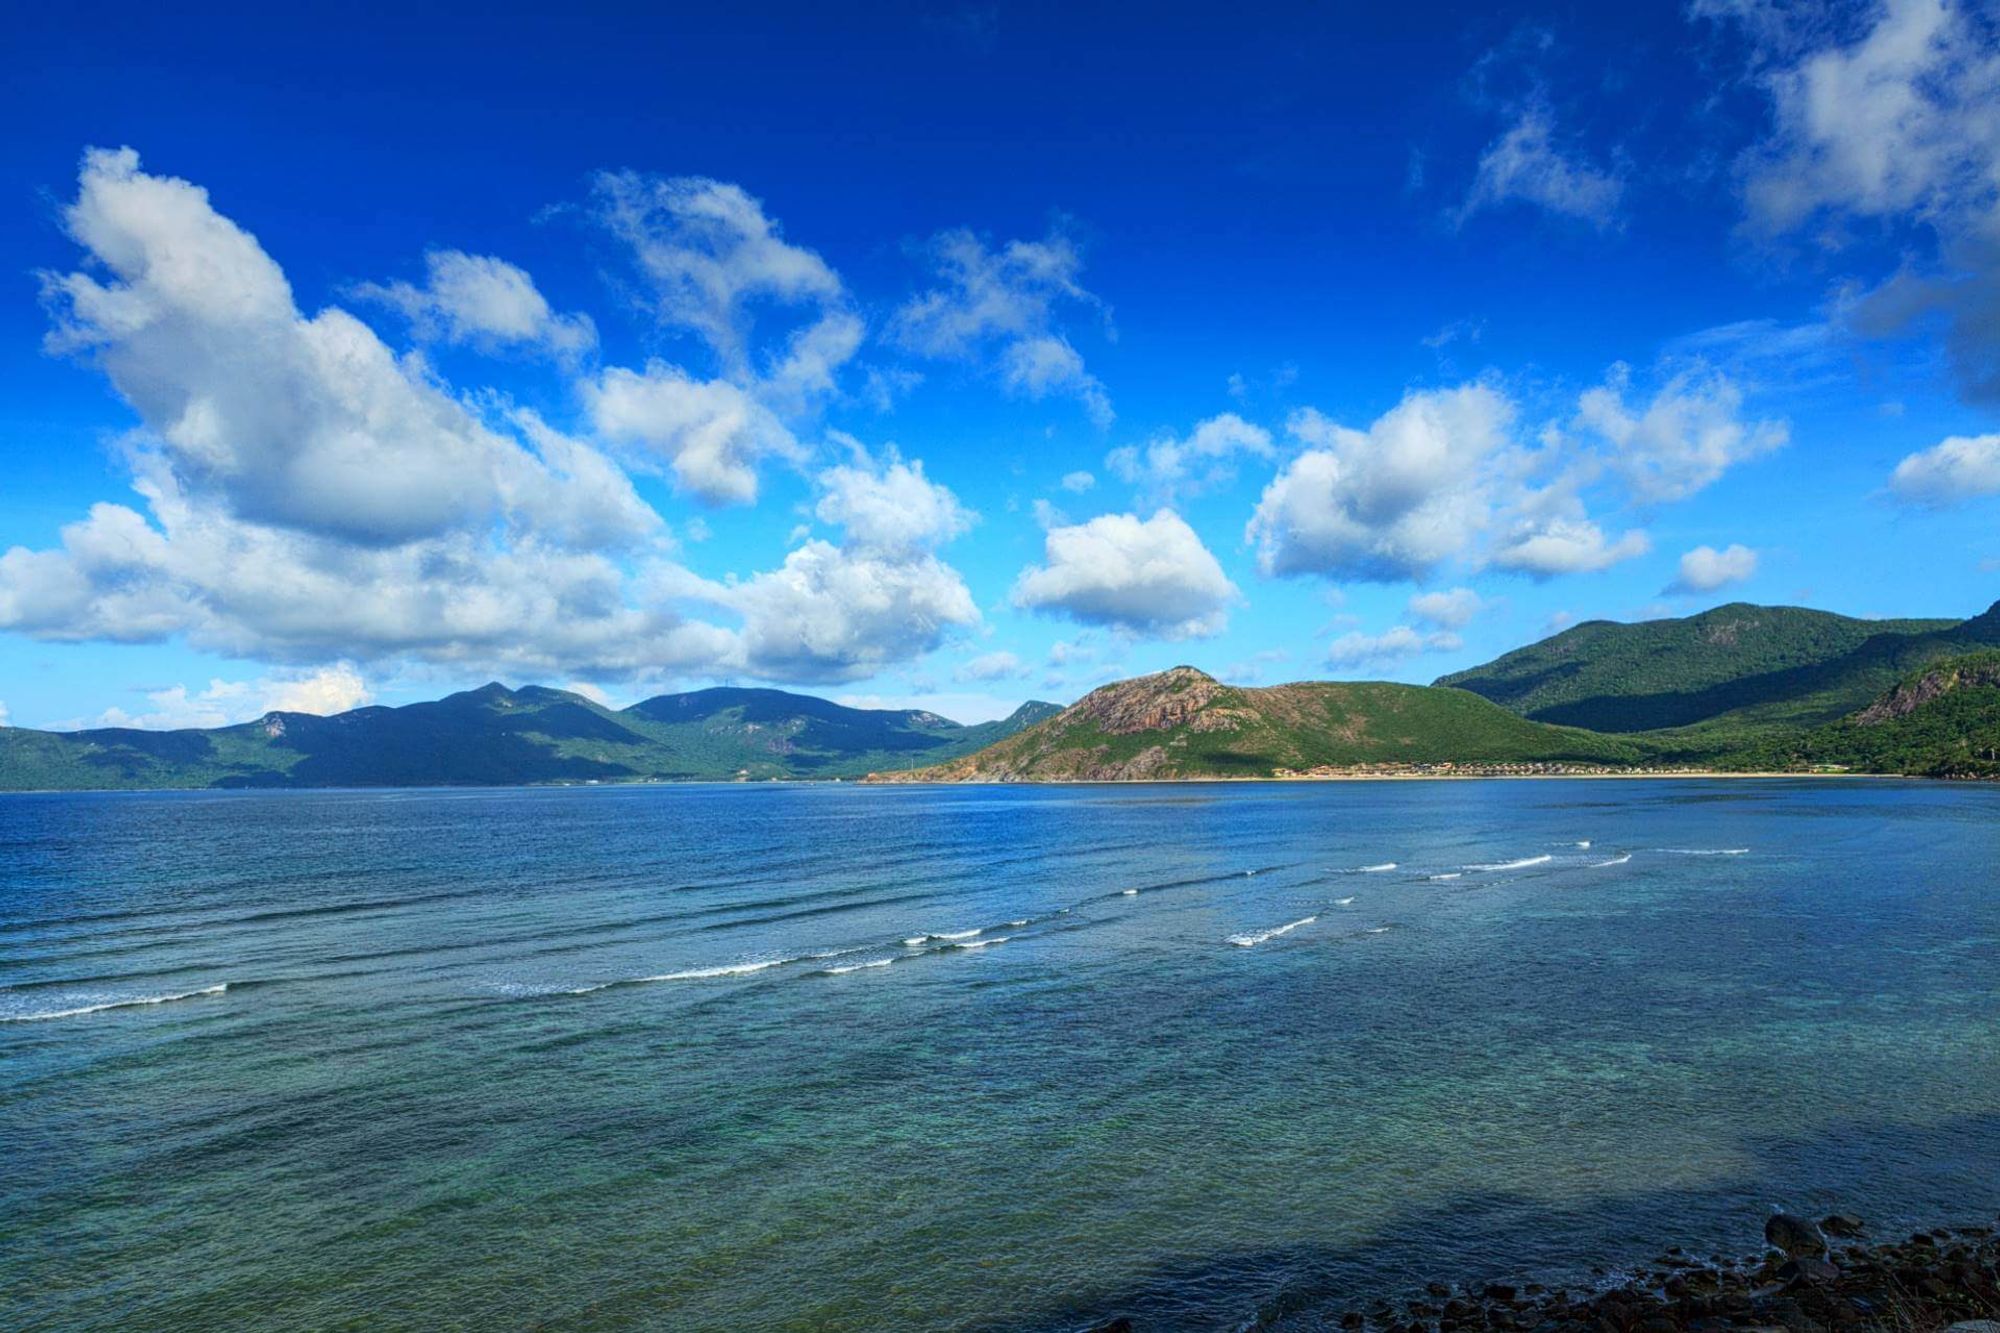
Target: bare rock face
{"points": [[1151, 703], [1795, 1236], [1907, 698]]}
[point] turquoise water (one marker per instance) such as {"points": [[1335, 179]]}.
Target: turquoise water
{"points": [[727, 1057]]}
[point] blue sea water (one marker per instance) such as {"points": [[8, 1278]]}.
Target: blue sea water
{"points": [[826, 1057]]}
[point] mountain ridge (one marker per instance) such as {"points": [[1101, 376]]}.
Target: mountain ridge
{"points": [[496, 735]]}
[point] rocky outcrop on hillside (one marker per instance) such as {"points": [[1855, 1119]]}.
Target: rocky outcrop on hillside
{"points": [[1933, 684]]}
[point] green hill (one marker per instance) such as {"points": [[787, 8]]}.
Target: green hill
{"points": [[495, 735], [1942, 720], [1186, 724], [1705, 685]]}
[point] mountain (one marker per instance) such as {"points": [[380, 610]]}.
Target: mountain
{"points": [[1942, 720], [1184, 723], [495, 735], [1734, 676]]}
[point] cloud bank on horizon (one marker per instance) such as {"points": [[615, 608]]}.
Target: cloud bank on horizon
{"points": [[741, 463]]}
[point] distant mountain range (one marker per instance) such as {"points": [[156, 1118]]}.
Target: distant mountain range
{"points": [[1739, 687], [495, 735]]}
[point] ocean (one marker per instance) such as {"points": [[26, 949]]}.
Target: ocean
{"points": [[970, 1058]]}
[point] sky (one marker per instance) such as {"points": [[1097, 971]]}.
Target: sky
{"points": [[950, 357]]}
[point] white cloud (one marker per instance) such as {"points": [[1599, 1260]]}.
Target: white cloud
{"points": [[1004, 302], [1704, 569], [1354, 650], [1078, 482], [333, 689], [484, 302], [1167, 466], [1898, 121], [1949, 473], [1451, 609], [1567, 546], [1151, 577], [991, 666], [1894, 126], [835, 613], [1392, 502], [1525, 164], [888, 504], [1683, 440], [709, 435], [3, 714], [709, 254], [969, 709], [309, 424]]}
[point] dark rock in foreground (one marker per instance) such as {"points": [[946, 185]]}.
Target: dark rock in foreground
{"points": [[1938, 1281]]}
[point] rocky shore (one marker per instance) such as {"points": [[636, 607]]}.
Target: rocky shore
{"points": [[1829, 1276]]}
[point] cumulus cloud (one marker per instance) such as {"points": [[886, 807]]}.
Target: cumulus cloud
{"points": [[1148, 577], [1958, 469], [1450, 609], [1356, 650], [888, 504], [309, 424], [1894, 126], [991, 666], [710, 254], [1704, 569], [1684, 439], [1391, 502], [484, 302], [715, 265], [1524, 164], [332, 689], [841, 613], [708, 435], [1169, 466], [1076, 483], [1567, 546], [879, 597], [1004, 303]]}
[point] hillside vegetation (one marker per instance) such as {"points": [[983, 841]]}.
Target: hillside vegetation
{"points": [[495, 735], [1940, 721], [1725, 681], [1184, 723]]}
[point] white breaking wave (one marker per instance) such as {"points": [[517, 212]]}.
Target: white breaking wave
{"points": [[856, 967], [1449, 874], [1375, 870], [135, 1003], [942, 937], [1521, 864], [1614, 861], [1584, 843], [1022, 922], [1131, 893], [1343, 902], [1706, 851], [1376, 930], [1250, 941], [983, 944]]}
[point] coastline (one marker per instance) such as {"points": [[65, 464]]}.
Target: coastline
{"points": [[1828, 1276]]}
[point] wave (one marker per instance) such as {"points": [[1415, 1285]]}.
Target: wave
{"points": [[1343, 902], [1376, 930], [856, 967], [1022, 922], [1375, 870], [1706, 851], [694, 974], [1251, 941], [985, 943], [1521, 864], [1449, 874], [135, 1003], [941, 937], [1614, 861], [1584, 843], [1130, 893]]}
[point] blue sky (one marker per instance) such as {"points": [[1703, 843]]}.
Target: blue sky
{"points": [[960, 356]]}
